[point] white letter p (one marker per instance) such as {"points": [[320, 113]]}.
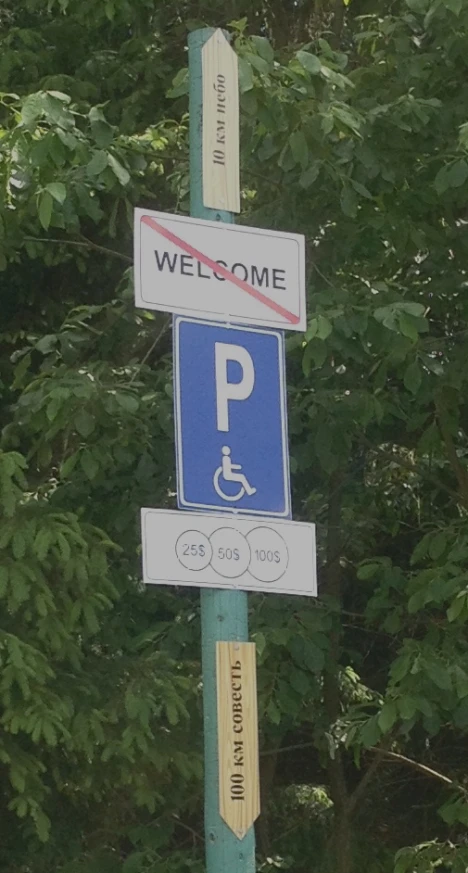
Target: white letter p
{"points": [[226, 391]]}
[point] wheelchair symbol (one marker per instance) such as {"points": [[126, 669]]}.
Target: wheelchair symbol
{"points": [[227, 472]]}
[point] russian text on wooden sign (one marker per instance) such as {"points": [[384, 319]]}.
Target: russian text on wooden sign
{"points": [[220, 124], [239, 783]]}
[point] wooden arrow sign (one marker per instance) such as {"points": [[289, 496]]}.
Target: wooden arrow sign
{"points": [[239, 784], [220, 124]]}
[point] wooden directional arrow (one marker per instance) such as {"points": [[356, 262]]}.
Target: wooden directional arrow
{"points": [[239, 785], [220, 124]]}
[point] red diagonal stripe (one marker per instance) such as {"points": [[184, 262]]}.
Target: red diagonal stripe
{"points": [[220, 270]]}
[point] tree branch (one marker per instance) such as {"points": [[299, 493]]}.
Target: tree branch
{"points": [[407, 465], [428, 771], [84, 243], [150, 350], [455, 463], [338, 22], [358, 792]]}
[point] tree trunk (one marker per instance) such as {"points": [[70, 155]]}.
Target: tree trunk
{"points": [[340, 843]]}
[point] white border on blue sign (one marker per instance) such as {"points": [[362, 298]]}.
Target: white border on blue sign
{"points": [[181, 501]]}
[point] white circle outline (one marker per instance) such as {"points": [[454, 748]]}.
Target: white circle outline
{"points": [[224, 527], [265, 527], [184, 534]]}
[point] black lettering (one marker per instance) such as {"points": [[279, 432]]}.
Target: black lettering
{"points": [[243, 267], [222, 279], [260, 276], [166, 260], [199, 272], [237, 778], [237, 729], [279, 276], [186, 261]]}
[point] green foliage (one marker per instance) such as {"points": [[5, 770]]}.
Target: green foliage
{"points": [[355, 133]]}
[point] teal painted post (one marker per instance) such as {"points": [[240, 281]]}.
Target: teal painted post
{"points": [[223, 613]]}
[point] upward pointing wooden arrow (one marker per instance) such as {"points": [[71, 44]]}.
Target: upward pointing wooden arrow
{"points": [[220, 124], [239, 786]]}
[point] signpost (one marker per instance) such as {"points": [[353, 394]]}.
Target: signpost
{"points": [[239, 783], [231, 418], [231, 435], [224, 615], [227, 551], [220, 129], [222, 272]]}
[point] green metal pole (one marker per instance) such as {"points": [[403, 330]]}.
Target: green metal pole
{"points": [[223, 613]]}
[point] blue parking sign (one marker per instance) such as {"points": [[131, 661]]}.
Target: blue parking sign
{"points": [[231, 419]]}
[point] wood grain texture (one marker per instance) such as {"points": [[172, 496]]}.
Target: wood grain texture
{"points": [[239, 782], [220, 133]]}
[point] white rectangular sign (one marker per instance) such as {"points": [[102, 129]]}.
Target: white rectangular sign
{"points": [[219, 551], [222, 272]]}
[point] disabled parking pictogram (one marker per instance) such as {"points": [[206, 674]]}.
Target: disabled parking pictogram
{"points": [[227, 472]]}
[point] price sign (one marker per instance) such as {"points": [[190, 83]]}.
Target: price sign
{"points": [[222, 552]]}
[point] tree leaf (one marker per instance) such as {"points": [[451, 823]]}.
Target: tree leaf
{"points": [[310, 62], [413, 377], [98, 163], [349, 203], [458, 173], [45, 209], [310, 175], [370, 733], [89, 464], [299, 148], [439, 675], [264, 48], [361, 189], [457, 606], [127, 401], [442, 180], [32, 109], [57, 190], [84, 423], [368, 571], [122, 174], [102, 132], [455, 6], [245, 75], [407, 327], [388, 716]]}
